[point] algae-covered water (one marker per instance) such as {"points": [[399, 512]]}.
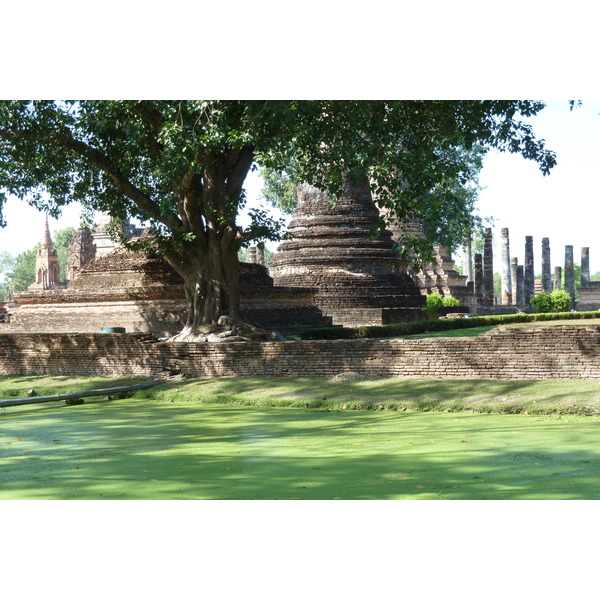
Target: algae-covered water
{"points": [[138, 449]]}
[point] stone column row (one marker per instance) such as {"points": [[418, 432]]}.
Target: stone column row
{"points": [[518, 281]]}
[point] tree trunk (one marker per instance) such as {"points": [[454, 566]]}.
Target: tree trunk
{"points": [[211, 283], [212, 286], [209, 262]]}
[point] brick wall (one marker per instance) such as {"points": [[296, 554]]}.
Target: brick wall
{"points": [[559, 352], [589, 296]]}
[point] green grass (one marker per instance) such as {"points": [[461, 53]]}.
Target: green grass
{"points": [[190, 440], [347, 392], [135, 449]]}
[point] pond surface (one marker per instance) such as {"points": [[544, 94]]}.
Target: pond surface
{"points": [[133, 449]]}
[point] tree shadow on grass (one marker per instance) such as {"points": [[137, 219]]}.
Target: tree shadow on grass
{"points": [[19, 386], [407, 394], [105, 450]]}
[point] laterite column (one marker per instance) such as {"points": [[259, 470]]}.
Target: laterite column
{"points": [[513, 279], [506, 274], [488, 268], [585, 266], [529, 272], [478, 275], [569, 273], [546, 268]]}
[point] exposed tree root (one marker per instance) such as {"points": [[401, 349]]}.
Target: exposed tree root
{"points": [[227, 330]]}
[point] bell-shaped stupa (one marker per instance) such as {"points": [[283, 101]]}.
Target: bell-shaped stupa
{"points": [[334, 247]]}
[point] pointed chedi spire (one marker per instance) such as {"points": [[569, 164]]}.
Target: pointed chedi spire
{"points": [[46, 237], [47, 269]]}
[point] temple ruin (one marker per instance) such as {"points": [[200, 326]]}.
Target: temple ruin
{"points": [[82, 250], [332, 269], [359, 277], [438, 276], [523, 284], [589, 291], [139, 292]]}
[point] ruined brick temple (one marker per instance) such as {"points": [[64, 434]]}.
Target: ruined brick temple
{"points": [[440, 275], [331, 247], [139, 292], [47, 269], [331, 269]]}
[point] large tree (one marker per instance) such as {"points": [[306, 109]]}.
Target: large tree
{"points": [[180, 166]]}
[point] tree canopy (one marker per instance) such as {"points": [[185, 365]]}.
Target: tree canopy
{"points": [[450, 203], [180, 166]]}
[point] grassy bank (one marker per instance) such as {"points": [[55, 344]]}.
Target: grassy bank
{"points": [[346, 392]]}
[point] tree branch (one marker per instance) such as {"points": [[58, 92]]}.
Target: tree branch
{"points": [[141, 200], [238, 172]]}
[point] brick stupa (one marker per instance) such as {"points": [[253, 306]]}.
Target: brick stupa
{"points": [[82, 250], [360, 279], [47, 269]]}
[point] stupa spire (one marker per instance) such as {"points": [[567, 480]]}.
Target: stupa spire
{"points": [[46, 237], [47, 269]]}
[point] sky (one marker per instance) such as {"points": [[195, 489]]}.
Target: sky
{"points": [[562, 206]]}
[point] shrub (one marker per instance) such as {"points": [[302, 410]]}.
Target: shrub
{"points": [[556, 301], [561, 300], [435, 301], [450, 301], [542, 303]]}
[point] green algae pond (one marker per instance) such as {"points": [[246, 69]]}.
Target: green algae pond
{"points": [[161, 450]]}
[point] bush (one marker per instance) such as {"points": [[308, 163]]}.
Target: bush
{"points": [[435, 301], [450, 301], [542, 303], [556, 301], [561, 300]]}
